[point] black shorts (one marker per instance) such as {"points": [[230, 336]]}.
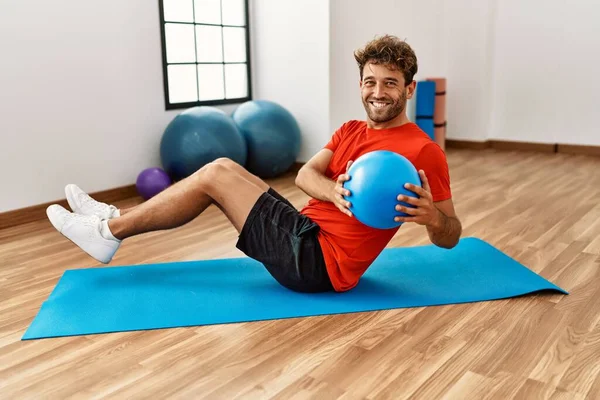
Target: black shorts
{"points": [[285, 242]]}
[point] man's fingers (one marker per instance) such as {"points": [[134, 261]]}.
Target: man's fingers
{"points": [[406, 219], [424, 180], [344, 192], [408, 210], [343, 202], [343, 205], [409, 199], [344, 210], [418, 190], [343, 178]]}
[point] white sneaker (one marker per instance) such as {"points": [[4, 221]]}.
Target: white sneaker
{"points": [[81, 203], [85, 231]]}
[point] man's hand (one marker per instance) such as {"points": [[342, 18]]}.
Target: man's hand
{"points": [[425, 212], [339, 192], [443, 226]]}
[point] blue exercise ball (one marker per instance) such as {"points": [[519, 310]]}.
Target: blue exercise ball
{"points": [[197, 137], [376, 180], [272, 135]]}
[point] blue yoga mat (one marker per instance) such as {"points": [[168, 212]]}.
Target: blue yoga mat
{"points": [[425, 107], [192, 293]]}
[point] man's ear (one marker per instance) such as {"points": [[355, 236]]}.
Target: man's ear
{"points": [[411, 89]]}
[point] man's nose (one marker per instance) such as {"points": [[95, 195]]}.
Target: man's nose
{"points": [[379, 90]]}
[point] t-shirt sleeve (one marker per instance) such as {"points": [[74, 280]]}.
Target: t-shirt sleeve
{"points": [[432, 160], [336, 138]]}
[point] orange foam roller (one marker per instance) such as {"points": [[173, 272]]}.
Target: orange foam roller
{"points": [[439, 112]]}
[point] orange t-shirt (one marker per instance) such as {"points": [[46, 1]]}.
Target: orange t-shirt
{"points": [[349, 247]]}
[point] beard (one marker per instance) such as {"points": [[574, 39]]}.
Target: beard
{"points": [[387, 112]]}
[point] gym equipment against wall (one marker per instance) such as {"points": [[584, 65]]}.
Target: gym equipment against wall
{"points": [[197, 137], [425, 107], [439, 112], [272, 135], [151, 182]]}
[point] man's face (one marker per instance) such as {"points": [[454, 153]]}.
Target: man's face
{"points": [[383, 92]]}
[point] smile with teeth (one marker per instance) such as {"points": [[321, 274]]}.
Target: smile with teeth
{"points": [[379, 104]]}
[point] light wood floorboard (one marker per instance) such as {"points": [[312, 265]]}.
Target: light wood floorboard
{"points": [[541, 209]]}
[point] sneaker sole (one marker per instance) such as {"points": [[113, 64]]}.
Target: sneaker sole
{"points": [[80, 246], [71, 199], [51, 219]]}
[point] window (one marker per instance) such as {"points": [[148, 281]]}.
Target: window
{"points": [[206, 53]]}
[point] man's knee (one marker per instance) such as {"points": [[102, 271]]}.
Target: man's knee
{"points": [[213, 174], [226, 162]]}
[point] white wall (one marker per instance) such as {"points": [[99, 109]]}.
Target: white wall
{"points": [[527, 71], [581, 97], [545, 84], [291, 63], [353, 24], [468, 42], [81, 91], [514, 72], [82, 96]]}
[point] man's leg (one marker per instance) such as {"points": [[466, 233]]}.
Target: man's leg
{"points": [[182, 202], [222, 183], [232, 165]]}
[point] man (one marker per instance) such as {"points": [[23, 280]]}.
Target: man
{"points": [[322, 247]]}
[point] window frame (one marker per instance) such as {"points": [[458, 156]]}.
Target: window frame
{"points": [[175, 106]]}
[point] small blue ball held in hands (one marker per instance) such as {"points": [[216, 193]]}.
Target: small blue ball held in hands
{"points": [[376, 180]]}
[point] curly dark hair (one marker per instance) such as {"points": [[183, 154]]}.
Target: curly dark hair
{"points": [[390, 51]]}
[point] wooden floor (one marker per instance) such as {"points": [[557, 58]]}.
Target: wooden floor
{"points": [[542, 209]]}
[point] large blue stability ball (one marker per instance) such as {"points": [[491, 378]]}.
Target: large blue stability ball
{"points": [[272, 135], [376, 180], [197, 137]]}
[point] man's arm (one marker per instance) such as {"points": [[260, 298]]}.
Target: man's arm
{"points": [[311, 178], [447, 229]]}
